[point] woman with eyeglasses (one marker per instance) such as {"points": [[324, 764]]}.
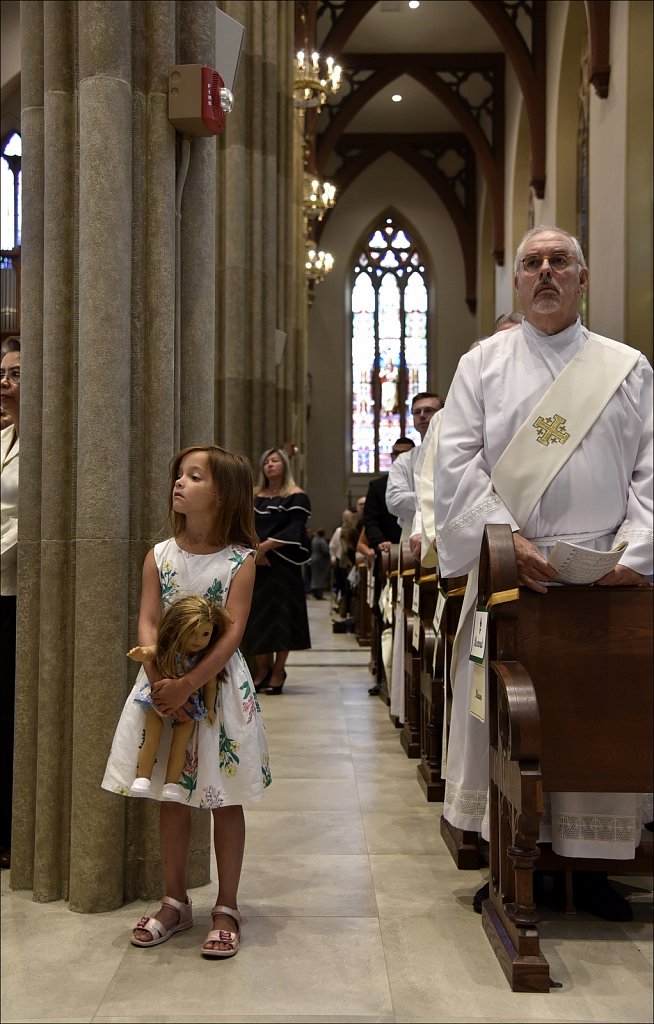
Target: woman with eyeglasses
{"points": [[10, 400]]}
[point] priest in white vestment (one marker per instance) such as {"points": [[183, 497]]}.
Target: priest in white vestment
{"points": [[601, 495], [401, 502]]}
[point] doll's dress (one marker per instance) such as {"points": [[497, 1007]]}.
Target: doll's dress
{"points": [[198, 709], [226, 763]]}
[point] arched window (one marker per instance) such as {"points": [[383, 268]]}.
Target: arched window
{"points": [[389, 344], [10, 226], [10, 193]]}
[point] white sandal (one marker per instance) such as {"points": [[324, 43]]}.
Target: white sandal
{"points": [[218, 935], [157, 930]]}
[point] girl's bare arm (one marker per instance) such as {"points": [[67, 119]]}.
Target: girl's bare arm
{"points": [[150, 612]]}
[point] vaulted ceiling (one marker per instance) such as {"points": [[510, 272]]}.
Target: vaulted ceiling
{"points": [[448, 60]]}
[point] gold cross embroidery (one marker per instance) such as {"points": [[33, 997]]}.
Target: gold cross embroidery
{"points": [[551, 429]]}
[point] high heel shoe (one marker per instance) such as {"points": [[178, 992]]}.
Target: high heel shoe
{"points": [[258, 687], [272, 690]]}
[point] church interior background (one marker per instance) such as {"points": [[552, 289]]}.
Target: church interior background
{"points": [[337, 249]]}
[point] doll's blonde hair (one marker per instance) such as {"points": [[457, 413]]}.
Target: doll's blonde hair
{"points": [[177, 626]]}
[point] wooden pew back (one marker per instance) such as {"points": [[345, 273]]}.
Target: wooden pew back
{"points": [[569, 710]]}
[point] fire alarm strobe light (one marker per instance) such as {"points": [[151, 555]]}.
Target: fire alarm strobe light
{"points": [[197, 100]]}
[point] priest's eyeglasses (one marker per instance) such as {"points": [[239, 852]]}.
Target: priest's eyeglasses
{"points": [[12, 374], [557, 261]]}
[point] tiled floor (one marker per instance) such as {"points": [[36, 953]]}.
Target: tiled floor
{"points": [[353, 908]]}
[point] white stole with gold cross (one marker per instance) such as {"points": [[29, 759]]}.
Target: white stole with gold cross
{"points": [[558, 424]]}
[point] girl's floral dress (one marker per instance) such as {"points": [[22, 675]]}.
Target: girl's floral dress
{"points": [[226, 763]]}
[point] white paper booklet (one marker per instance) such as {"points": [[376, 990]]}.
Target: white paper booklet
{"points": [[575, 564]]}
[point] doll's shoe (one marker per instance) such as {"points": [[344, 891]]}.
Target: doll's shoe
{"points": [[227, 938], [172, 791], [141, 787], [157, 930]]}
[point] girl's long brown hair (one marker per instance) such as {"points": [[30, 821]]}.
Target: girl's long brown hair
{"points": [[232, 480]]}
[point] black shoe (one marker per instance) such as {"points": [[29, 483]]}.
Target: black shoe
{"points": [[594, 894], [479, 897], [258, 687], [273, 691], [5, 859], [374, 690]]}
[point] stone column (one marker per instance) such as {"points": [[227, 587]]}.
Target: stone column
{"points": [[98, 428], [197, 22], [29, 554], [248, 238], [103, 437], [55, 696]]}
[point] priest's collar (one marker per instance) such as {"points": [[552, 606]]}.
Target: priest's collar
{"points": [[564, 337]]}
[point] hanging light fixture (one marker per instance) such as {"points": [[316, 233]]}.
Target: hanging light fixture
{"points": [[317, 263], [315, 79], [317, 196]]}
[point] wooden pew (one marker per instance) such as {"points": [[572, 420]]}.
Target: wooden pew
{"points": [[423, 604], [385, 570], [361, 610], [569, 710], [467, 849], [404, 602], [435, 655]]}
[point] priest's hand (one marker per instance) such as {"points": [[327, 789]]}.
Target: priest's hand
{"points": [[532, 567], [620, 576]]}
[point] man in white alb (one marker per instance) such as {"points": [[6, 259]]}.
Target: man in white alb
{"points": [[595, 491], [401, 502]]}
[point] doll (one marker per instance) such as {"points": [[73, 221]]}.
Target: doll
{"points": [[186, 629]]}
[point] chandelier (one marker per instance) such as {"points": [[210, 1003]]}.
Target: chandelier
{"points": [[317, 263], [315, 79], [317, 196]]}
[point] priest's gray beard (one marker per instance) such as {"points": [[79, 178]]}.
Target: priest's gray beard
{"points": [[547, 303]]}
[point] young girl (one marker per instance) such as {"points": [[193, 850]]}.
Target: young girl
{"points": [[226, 764]]}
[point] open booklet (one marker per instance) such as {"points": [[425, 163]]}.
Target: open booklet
{"points": [[575, 564]]}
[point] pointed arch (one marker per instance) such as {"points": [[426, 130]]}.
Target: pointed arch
{"points": [[388, 337]]}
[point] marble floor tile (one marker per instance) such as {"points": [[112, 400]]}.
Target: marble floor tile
{"points": [[402, 831], [305, 794], [302, 966], [279, 832], [323, 766], [310, 886], [391, 795]]}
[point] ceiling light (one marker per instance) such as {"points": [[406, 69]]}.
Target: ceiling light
{"points": [[413, 4], [396, 97]]}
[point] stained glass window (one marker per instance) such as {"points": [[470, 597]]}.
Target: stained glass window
{"points": [[389, 344], [10, 224], [10, 193]]}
